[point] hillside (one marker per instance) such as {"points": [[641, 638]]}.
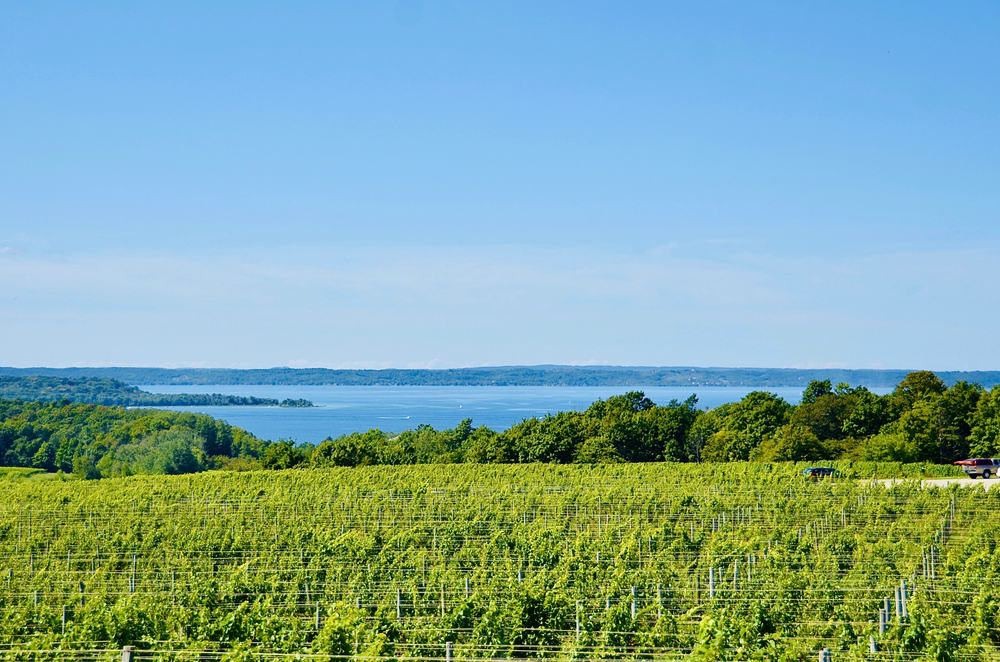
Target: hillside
{"points": [[509, 376]]}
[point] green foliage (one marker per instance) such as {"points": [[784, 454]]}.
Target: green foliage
{"points": [[629, 428], [499, 560], [791, 443], [108, 392], [282, 455], [745, 425], [92, 441]]}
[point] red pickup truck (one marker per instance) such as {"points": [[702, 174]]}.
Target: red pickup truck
{"points": [[981, 466]]}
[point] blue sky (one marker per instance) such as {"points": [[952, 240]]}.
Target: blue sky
{"points": [[445, 184]]}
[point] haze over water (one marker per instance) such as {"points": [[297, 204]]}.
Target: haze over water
{"points": [[345, 409]]}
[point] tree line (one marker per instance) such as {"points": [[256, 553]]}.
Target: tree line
{"points": [[94, 441], [922, 420], [108, 391]]}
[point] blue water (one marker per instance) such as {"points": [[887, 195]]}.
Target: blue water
{"points": [[345, 409]]}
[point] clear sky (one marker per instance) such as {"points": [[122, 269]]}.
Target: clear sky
{"points": [[436, 183]]}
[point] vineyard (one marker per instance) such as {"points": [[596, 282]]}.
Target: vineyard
{"points": [[472, 562]]}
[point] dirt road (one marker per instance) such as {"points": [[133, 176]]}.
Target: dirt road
{"points": [[945, 482]]}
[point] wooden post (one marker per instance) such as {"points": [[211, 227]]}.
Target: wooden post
{"points": [[128, 654], [902, 597]]}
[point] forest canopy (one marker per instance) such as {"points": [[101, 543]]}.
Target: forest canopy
{"points": [[94, 441]]}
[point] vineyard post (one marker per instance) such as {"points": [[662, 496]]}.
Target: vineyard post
{"points": [[442, 600], [824, 655], [872, 646], [711, 583], [736, 575], [447, 651], [399, 604], [64, 621], [36, 598], [633, 603], [82, 598], [317, 617], [902, 597], [659, 601], [127, 654], [882, 618], [466, 588], [578, 620], [899, 605]]}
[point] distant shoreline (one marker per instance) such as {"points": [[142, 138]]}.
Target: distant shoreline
{"points": [[108, 391], [544, 375]]}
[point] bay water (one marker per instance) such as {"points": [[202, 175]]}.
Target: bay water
{"points": [[345, 409]]}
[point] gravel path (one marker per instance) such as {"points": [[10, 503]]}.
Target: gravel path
{"points": [[944, 482]]}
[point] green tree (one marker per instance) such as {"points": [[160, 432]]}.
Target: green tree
{"points": [[984, 435], [281, 455], [815, 390], [791, 443], [745, 426], [917, 386]]}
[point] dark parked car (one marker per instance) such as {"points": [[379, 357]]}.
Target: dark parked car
{"points": [[818, 472], [980, 466]]}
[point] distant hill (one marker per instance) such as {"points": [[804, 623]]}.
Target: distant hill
{"points": [[109, 391], [544, 375]]}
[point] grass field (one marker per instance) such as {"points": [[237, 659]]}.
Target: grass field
{"points": [[645, 561]]}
